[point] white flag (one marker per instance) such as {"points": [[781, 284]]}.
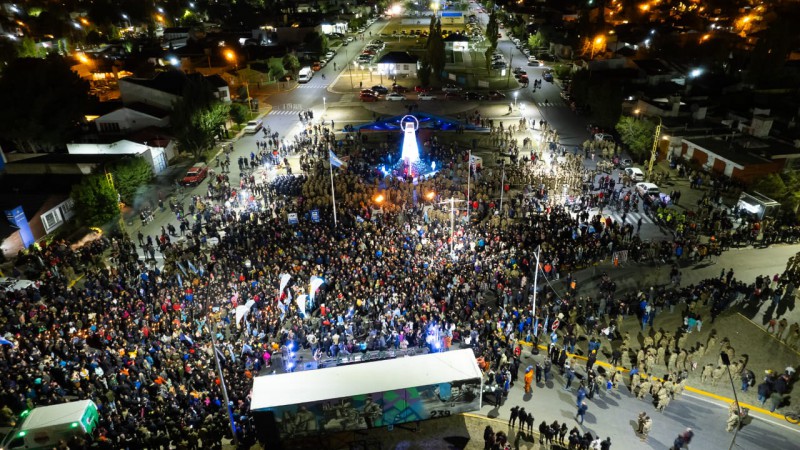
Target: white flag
{"points": [[316, 282], [284, 280], [243, 310], [301, 303]]}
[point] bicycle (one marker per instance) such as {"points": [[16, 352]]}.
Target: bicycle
{"points": [[793, 417]]}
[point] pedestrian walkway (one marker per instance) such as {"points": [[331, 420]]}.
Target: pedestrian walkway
{"points": [[551, 104]]}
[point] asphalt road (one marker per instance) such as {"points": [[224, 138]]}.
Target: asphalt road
{"points": [[615, 415]]}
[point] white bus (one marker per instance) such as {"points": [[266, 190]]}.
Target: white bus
{"points": [[305, 75]]}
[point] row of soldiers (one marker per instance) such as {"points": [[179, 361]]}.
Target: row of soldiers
{"points": [[663, 392]]}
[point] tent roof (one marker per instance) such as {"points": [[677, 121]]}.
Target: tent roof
{"points": [[309, 386]]}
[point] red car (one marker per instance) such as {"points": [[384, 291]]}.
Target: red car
{"points": [[421, 89], [368, 98], [195, 175], [399, 89]]}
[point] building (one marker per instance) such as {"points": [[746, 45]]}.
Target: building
{"points": [[398, 63], [743, 158], [130, 118], [163, 90]]}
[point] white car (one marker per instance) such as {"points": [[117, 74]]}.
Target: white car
{"points": [[635, 173], [426, 96], [647, 189], [451, 88], [394, 96]]}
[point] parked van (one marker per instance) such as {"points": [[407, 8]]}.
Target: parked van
{"points": [[305, 75], [44, 426], [253, 126]]}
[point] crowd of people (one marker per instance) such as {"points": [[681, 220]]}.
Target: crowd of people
{"points": [[136, 338]]}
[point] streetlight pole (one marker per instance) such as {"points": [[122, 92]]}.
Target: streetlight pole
{"points": [[727, 362]]}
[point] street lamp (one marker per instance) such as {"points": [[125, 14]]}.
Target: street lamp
{"points": [[515, 98], [598, 41]]}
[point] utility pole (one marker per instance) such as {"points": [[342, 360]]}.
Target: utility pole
{"points": [[654, 151], [224, 389], [502, 188]]}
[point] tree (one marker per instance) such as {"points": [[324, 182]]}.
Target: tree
{"points": [[316, 42], [435, 49], [492, 29], [129, 175], [637, 135], [291, 63], [95, 200], [238, 113], [43, 103], [198, 118], [424, 72], [537, 40], [276, 69]]}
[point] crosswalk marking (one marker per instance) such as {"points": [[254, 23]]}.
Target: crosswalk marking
{"points": [[312, 86], [632, 217], [284, 112], [549, 104]]}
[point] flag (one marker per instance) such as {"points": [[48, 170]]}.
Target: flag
{"points": [[359, 219], [4, 341], [219, 353], [315, 283], [180, 281], [335, 161], [536, 327], [243, 310], [191, 266], [285, 277], [186, 338], [301, 303]]}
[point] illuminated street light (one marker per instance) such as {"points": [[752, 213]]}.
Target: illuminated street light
{"points": [[598, 41], [515, 98], [695, 73]]}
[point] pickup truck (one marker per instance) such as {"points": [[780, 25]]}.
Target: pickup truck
{"points": [[195, 175]]}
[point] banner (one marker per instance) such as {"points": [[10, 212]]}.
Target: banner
{"points": [[292, 218], [315, 215]]}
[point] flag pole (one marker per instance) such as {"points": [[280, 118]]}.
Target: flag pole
{"points": [[469, 175], [536, 281], [333, 191]]}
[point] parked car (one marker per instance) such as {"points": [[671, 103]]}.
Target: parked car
{"points": [[473, 96], [253, 126], [548, 76], [496, 95], [426, 96], [519, 70], [368, 92], [421, 89], [195, 175], [379, 89], [368, 98], [534, 63], [603, 137], [635, 173], [453, 96], [451, 88], [499, 65], [399, 89], [645, 189], [9, 284], [394, 96]]}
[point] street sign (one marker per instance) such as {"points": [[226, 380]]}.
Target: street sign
{"points": [[483, 84], [292, 218], [556, 324], [315, 215]]}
